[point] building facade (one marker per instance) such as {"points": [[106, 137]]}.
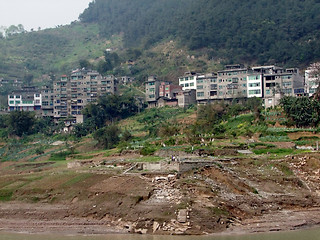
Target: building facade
{"points": [[312, 78], [25, 99], [72, 93], [237, 82]]}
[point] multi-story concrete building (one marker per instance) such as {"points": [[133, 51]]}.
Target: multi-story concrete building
{"points": [[152, 91], [72, 93], [279, 82], [312, 79], [228, 84], [47, 101], [168, 90], [232, 82], [238, 82], [207, 87], [25, 99], [189, 81], [69, 95]]}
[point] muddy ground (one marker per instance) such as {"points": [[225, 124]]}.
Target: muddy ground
{"points": [[245, 194]]}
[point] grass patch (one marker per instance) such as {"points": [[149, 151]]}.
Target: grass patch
{"points": [[266, 145], [76, 179], [60, 156], [274, 151], [82, 157], [5, 195], [148, 159]]}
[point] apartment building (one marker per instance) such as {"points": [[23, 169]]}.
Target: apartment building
{"points": [[160, 94], [168, 90], [239, 82], [226, 85], [72, 93], [279, 82], [312, 78], [47, 97], [25, 99], [189, 81], [152, 91]]}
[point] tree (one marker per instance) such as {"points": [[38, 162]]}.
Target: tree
{"points": [[85, 64], [304, 112], [14, 30], [20, 123], [108, 136]]}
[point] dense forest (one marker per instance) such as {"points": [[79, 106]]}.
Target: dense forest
{"points": [[266, 31]]}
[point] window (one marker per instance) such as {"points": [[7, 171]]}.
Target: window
{"points": [[11, 102], [151, 83], [286, 77], [11, 96], [200, 81], [200, 87], [252, 92], [287, 91], [286, 84], [270, 101], [200, 94], [254, 85], [18, 102], [37, 95], [186, 85], [268, 92], [192, 84], [251, 78]]}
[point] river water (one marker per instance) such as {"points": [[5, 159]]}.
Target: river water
{"points": [[311, 234]]}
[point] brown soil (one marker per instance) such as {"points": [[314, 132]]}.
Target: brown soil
{"points": [[237, 195]]}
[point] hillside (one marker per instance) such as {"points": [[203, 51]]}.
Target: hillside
{"points": [[64, 185], [50, 51], [169, 37], [285, 31]]}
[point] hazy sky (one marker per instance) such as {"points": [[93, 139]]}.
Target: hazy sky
{"points": [[40, 13]]}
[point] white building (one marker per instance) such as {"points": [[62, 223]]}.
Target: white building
{"points": [[312, 79], [188, 81], [254, 85], [26, 99]]}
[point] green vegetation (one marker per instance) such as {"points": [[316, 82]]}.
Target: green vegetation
{"points": [[281, 31], [304, 112], [5, 195], [60, 156]]}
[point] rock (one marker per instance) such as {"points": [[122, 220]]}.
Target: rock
{"points": [[155, 227], [141, 231], [182, 216]]}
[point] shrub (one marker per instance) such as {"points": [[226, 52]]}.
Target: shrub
{"points": [[148, 149]]}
